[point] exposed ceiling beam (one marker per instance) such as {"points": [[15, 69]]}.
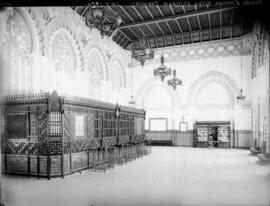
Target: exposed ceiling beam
{"points": [[182, 38], [120, 42], [126, 13], [183, 7], [85, 9], [178, 16], [111, 9], [164, 40], [149, 12], [126, 44], [179, 25], [220, 23], [171, 9], [170, 6], [231, 23], [198, 19], [156, 43], [173, 41], [151, 30], [169, 27], [114, 32], [210, 25], [116, 40], [144, 34], [137, 12], [203, 30], [130, 29], [159, 10], [160, 29], [125, 35], [189, 25]]}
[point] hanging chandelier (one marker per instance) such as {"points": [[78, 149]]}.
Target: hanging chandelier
{"points": [[241, 96], [142, 53], [162, 70], [131, 102], [174, 81], [99, 18]]}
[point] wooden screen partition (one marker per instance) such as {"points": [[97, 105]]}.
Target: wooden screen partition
{"points": [[47, 135]]}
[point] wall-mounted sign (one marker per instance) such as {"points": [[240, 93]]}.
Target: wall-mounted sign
{"points": [[158, 124], [79, 125], [183, 126]]}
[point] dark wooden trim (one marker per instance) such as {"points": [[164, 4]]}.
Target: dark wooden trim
{"points": [[28, 141], [38, 143], [62, 143], [48, 146]]}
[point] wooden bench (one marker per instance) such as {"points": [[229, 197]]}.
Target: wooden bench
{"points": [[254, 151], [264, 158]]}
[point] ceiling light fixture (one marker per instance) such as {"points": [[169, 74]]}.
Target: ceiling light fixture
{"points": [[98, 18], [241, 96], [174, 81], [142, 53], [162, 70]]}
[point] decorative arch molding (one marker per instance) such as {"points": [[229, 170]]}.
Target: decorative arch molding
{"points": [[260, 45], [223, 106], [95, 49], [147, 86], [64, 24], [123, 74], [35, 29], [213, 76], [71, 38], [33, 26]]}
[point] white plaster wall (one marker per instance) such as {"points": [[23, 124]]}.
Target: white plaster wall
{"points": [[190, 71]]}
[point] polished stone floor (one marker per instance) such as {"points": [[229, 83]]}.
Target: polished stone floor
{"points": [[168, 176]]}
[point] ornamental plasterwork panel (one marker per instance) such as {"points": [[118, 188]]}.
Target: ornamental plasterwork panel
{"points": [[217, 76], [214, 94], [115, 76], [63, 53], [63, 46], [215, 49], [259, 37], [94, 58], [115, 63], [148, 85], [64, 24], [95, 67], [18, 45]]}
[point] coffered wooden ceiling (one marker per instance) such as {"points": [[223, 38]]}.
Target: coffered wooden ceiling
{"points": [[173, 24]]}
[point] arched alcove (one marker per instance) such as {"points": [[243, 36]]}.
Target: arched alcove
{"points": [[213, 94], [154, 92], [210, 86]]}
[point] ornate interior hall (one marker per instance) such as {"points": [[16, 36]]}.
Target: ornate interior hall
{"points": [[135, 104]]}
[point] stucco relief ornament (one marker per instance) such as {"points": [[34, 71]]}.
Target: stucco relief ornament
{"points": [[63, 53]]}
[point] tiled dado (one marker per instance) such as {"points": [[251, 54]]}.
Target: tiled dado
{"points": [[177, 138]]}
